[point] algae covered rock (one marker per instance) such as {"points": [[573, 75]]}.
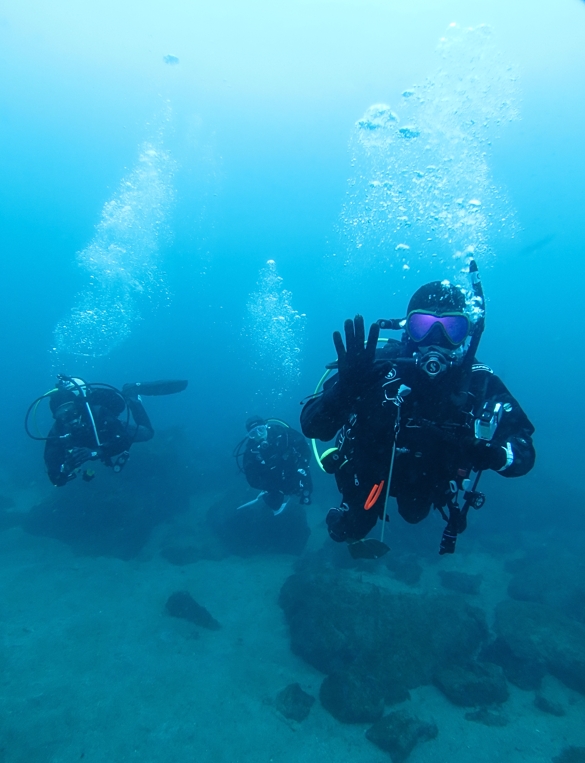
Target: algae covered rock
{"points": [[398, 734], [543, 637], [256, 530], [116, 515], [487, 717], [294, 703], [474, 684], [523, 673], [338, 623], [557, 581], [571, 755], [181, 604], [547, 705], [352, 698]]}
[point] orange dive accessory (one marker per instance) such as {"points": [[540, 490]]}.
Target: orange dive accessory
{"points": [[373, 496]]}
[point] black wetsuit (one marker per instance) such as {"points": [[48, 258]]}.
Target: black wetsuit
{"points": [[435, 441], [73, 431], [279, 465]]}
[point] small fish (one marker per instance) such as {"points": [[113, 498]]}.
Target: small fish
{"points": [[171, 60], [537, 245]]}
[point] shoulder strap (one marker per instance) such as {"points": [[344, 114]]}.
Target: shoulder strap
{"points": [[480, 377], [481, 367]]}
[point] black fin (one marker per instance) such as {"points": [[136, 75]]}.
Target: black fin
{"points": [[370, 548], [151, 389]]}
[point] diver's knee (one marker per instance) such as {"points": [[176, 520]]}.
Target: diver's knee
{"points": [[143, 434], [414, 514], [336, 524], [412, 520]]}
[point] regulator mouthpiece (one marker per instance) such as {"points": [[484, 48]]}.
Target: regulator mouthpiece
{"points": [[433, 364]]}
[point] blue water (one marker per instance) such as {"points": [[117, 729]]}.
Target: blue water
{"points": [[193, 190]]}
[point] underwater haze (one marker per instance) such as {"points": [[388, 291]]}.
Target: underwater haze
{"points": [[206, 191]]}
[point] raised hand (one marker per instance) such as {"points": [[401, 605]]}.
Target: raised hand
{"points": [[355, 358]]}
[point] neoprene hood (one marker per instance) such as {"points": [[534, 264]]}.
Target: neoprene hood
{"points": [[438, 297]]}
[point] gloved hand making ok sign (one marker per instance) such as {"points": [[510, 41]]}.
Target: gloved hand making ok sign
{"points": [[356, 358], [76, 457]]}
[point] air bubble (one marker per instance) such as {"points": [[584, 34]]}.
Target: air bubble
{"points": [[275, 329], [421, 174], [122, 261]]}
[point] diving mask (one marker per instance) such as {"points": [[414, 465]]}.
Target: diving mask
{"points": [[455, 326], [259, 433]]}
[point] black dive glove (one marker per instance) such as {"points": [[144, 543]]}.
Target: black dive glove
{"points": [[76, 457], [355, 359], [485, 455]]}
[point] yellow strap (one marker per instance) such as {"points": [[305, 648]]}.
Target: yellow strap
{"points": [[34, 410], [313, 441], [278, 421]]}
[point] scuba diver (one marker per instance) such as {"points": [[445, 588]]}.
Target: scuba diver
{"points": [[88, 426], [418, 419], [275, 459]]}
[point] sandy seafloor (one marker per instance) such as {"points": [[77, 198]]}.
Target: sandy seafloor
{"points": [[94, 669]]}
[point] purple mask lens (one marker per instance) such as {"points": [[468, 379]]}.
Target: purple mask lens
{"points": [[455, 327], [419, 325]]}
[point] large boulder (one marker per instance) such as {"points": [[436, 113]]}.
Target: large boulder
{"points": [[524, 673], [472, 685], [556, 581], [338, 623], [571, 755], [114, 514], [540, 636], [256, 530]]}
